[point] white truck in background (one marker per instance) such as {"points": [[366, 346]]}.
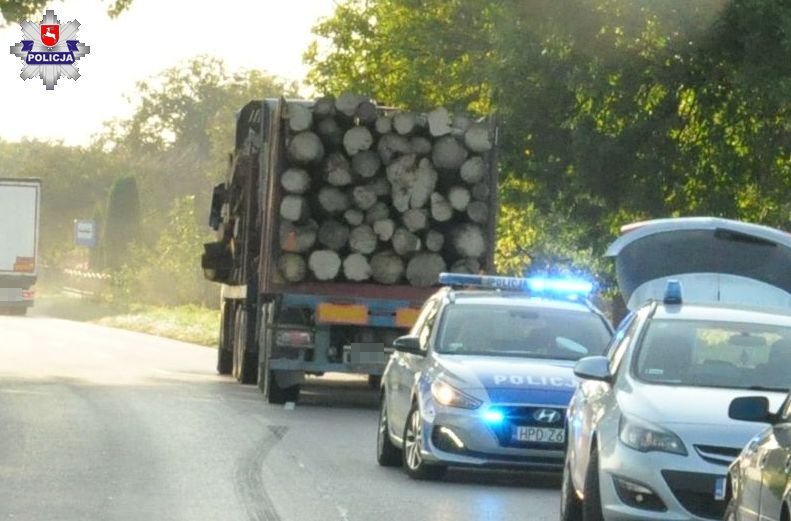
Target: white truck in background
{"points": [[19, 225]]}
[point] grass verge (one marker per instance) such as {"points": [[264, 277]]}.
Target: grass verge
{"points": [[195, 324]]}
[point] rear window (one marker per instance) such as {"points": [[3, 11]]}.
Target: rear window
{"points": [[715, 354], [471, 329]]}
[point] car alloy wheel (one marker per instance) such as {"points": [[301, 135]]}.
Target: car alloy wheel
{"points": [[416, 467]]}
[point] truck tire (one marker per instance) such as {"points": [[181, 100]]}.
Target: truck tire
{"points": [[245, 364], [225, 347], [281, 395]]}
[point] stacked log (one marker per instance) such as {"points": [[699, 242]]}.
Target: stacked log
{"points": [[393, 197]]}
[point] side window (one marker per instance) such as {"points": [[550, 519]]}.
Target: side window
{"points": [[421, 318], [428, 325], [787, 410], [623, 337]]}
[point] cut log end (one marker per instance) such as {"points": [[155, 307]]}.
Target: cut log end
{"points": [[295, 181], [306, 148], [356, 267], [294, 208], [363, 239], [333, 200], [387, 267], [459, 197], [477, 138], [297, 238], [478, 212], [405, 242], [366, 163], [357, 139], [292, 267], [468, 241], [300, 118], [448, 154], [333, 235], [473, 170], [324, 264], [424, 268]]}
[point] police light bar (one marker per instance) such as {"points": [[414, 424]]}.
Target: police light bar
{"points": [[530, 284]]}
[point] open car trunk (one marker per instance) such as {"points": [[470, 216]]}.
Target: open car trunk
{"points": [[716, 260]]}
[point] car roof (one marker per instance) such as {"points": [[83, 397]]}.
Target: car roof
{"points": [[723, 313]]}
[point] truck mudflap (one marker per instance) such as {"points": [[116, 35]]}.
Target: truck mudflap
{"points": [[716, 260]]}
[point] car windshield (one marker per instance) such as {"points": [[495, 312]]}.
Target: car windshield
{"points": [[715, 354], [511, 330]]}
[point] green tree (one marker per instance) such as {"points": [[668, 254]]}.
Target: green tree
{"points": [[610, 110], [122, 222], [13, 11]]}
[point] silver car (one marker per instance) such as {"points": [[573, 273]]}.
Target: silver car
{"points": [[484, 379], [760, 479], [649, 435]]}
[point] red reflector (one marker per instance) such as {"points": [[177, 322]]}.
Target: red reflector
{"points": [[294, 338]]}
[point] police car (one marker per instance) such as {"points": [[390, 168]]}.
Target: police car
{"points": [[648, 427], [485, 375]]}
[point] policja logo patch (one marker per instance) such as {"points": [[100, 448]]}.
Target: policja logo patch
{"points": [[48, 51]]}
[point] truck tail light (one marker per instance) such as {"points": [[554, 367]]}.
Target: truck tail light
{"points": [[294, 338]]}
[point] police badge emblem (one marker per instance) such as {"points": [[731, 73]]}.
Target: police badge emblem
{"points": [[48, 51]]}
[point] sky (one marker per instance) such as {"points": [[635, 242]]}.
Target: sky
{"points": [[151, 36]]}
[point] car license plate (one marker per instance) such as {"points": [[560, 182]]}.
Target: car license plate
{"points": [[539, 435]]}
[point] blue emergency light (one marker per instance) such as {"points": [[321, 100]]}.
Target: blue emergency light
{"points": [[493, 416], [673, 293], [536, 285]]}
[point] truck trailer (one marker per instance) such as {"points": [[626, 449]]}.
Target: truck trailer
{"points": [[19, 225], [284, 315]]}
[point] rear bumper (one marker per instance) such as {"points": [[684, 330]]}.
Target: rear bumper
{"points": [[16, 297]]}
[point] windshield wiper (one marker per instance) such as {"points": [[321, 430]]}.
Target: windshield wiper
{"points": [[766, 388]]}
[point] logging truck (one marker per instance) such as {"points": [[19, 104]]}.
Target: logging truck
{"points": [[334, 220]]}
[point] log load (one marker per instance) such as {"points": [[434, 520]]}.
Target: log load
{"points": [[383, 196]]}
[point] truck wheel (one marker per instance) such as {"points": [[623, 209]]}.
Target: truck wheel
{"points": [[224, 361], [387, 454], [415, 465], [245, 363], [591, 507], [225, 347], [281, 395]]}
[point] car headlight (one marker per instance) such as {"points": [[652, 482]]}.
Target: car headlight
{"points": [[646, 437], [446, 394]]}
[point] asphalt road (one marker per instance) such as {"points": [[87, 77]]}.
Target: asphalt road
{"points": [[102, 424]]}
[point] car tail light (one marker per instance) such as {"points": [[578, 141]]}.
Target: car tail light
{"points": [[28, 294], [294, 338]]}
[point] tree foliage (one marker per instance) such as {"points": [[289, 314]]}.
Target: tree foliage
{"points": [[121, 223], [175, 145], [13, 11], [610, 110]]}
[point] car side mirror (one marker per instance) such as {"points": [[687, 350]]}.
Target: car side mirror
{"points": [[751, 409], [407, 344], [594, 368]]}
